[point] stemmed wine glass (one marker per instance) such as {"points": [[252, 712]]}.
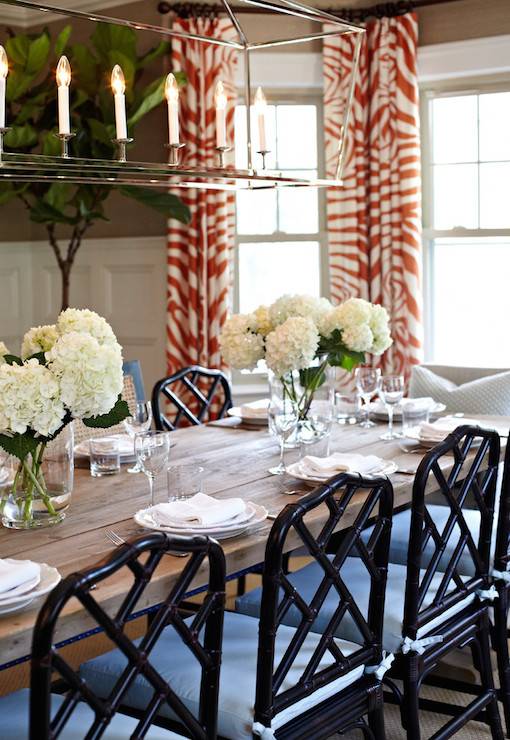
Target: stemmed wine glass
{"points": [[367, 383], [152, 450], [391, 391], [283, 419], [139, 421]]}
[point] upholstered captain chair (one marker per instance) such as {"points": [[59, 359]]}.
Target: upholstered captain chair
{"points": [[79, 713], [431, 606], [288, 682]]}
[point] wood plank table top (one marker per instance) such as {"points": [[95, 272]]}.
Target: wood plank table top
{"points": [[236, 461]]}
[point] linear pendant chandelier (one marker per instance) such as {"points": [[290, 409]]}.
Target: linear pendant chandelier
{"points": [[174, 173]]}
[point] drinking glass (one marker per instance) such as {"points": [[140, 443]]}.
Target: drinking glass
{"points": [[283, 419], [347, 408], [139, 421], [184, 481], [367, 383], [152, 450], [391, 391], [413, 414], [104, 456]]}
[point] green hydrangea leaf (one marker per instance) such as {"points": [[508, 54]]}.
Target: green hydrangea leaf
{"points": [[118, 413]]}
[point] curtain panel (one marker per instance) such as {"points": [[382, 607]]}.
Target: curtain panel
{"points": [[374, 220], [199, 255]]}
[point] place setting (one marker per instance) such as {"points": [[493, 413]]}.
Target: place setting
{"points": [[24, 581]]}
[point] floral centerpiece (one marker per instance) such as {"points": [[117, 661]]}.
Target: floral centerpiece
{"points": [[300, 336], [71, 370]]}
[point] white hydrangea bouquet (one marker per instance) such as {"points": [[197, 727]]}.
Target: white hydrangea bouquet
{"points": [[71, 370], [305, 334]]}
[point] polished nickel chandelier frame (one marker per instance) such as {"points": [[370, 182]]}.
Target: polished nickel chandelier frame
{"points": [[17, 167]]}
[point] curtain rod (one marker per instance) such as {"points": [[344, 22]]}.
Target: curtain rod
{"points": [[352, 15]]}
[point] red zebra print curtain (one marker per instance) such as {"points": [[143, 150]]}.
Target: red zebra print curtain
{"points": [[199, 264], [374, 221]]}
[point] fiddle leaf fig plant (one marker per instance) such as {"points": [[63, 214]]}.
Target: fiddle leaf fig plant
{"points": [[32, 116]]}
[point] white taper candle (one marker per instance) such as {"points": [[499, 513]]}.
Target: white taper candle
{"points": [[220, 100], [119, 87], [4, 69], [172, 96], [63, 82], [260, 109]]}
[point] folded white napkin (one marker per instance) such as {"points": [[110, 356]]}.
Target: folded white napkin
{"points": [[438, 430], [14, 573], [200, 509], [340, 462], [425, 402], [255, 409], [125, 442]]}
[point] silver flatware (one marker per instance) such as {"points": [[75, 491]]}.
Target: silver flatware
{"points": [[117, 540]]}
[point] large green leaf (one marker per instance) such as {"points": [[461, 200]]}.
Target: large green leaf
{"points": [[158, 51], [58, 195], [7, 192], [165, 203], [128, 68], [50, 144], [18, 82], [21, 136], [107, 38], [38, 54], [84, 66], [152, 96], [20, 445], [62, 41], [17, 48], [119, 412], [100, 131], [44, 213]]}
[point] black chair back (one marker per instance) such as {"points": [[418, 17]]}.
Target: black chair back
{"points": [[501, 553], [193, 392], [474, 453], [141, 557], [294, 529]]}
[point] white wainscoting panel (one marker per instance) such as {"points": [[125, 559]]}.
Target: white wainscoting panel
{"points": [[124, 280]]}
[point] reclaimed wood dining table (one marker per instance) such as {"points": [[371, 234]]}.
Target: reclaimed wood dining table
{"points": [[236, 459]]}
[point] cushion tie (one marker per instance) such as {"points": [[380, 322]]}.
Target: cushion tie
{"points": [[384, 665], [501, 575], [418, 646], [488, 594], [266, 733]]}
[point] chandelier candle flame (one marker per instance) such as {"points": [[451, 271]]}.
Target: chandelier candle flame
{"points": [[63, 82], [31, 167]]}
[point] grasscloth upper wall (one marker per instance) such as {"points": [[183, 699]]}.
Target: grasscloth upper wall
{"points": [[454, 21]]}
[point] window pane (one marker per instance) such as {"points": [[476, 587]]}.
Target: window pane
{"points": [[298, 208], [470, 299], [455, 129], [241, 138], [297, 136], [268, 270], [495, 195], [256, 212], [456, 196], [495, 126]]}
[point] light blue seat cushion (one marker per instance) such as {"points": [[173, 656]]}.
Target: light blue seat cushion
{"points": [[400, 537], [484, 395], [355, 576], [180, 669], [14, 721]]}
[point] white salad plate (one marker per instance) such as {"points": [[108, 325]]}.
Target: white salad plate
{"points": [[48, 580], [296, 471]]}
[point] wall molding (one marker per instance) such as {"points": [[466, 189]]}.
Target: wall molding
{"points": [[469, 58]]}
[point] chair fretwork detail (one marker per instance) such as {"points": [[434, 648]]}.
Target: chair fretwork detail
{"points": [[202, 636], [192, 394], [279, 594]]}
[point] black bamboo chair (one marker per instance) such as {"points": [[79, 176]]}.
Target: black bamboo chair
{"points": [[432, 608], [79, 712], [291, 682], [193, 393]]}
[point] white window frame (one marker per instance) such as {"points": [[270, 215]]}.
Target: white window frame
{"points": [[460, 68], [247, 384]]}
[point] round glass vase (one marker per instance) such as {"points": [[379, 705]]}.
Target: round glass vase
{"points": [[311, 392], [38, 493]]}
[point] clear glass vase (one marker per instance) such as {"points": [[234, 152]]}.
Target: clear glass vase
{"points": [[37, 491], [312, 393]]}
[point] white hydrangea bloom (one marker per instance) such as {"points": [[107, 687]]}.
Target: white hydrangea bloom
{"points": [[241, 347], [3, 351], [292, 345], [38, 339], [380, 325], [263, 323], [90, 374], [358, 338], [381, 343], [306, 306], [29, 399], [353, 312], [84, 321]]}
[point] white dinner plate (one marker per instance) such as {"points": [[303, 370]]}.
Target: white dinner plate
{"points": [[49, 579], [82, 449], [237, 521], [378, 410], [294, 469], [144, 519], [22, 589], [257, 421]]}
